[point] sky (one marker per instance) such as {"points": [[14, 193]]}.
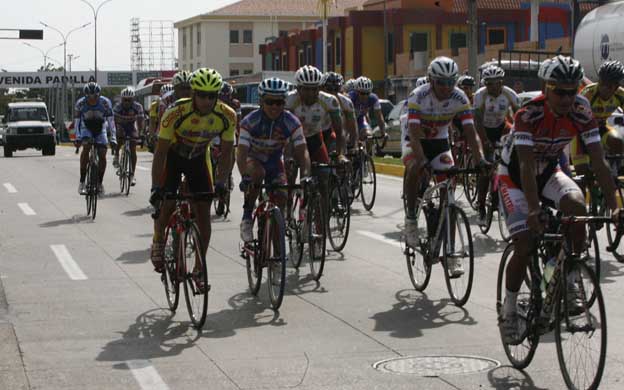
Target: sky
{"points": [[113, 29]]}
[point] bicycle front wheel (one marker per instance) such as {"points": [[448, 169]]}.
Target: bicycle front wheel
{"points": [[470, 183], [296, 240], [93, 188], [581, 329], [316, 236], [195, 273], [368, 182], [339, 215], [458, 256], [169, 277], [419, 259], [275, 257], [490, 206], [127, 169], [253, 259], [87, 191]]}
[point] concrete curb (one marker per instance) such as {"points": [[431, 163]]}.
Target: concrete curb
{"points": [[389, 169]]}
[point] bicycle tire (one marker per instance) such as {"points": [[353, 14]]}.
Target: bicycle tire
{"points": [[368, 205], [611, 234], [193, 272], [316, 236], [296, 241], [93, 192], [520, 355], [356, 180], [127, 174], [489, 210], [562, 318], [502, 223], [419, 267], [253, 262], [458, 220], [87, 190], [339, 212], [169, 277], [470, 183], [275, 258]]}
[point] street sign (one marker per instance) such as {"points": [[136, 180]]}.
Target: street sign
{"points": [[55, 79], [121, 79]]}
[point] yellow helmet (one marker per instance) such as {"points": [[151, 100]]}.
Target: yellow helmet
{"points": [[207, 80]]}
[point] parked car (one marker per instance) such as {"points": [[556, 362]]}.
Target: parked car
{"points": [[246, 108], [393, 129], [28, 125]]}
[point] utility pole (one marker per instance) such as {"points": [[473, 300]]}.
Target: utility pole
{"points": [[385, 45], [473, 38], [96, 11]]}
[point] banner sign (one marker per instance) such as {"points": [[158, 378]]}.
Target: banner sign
{"points": [[56, 79]]}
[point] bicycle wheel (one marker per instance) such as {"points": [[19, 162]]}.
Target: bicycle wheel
{"points": [[490, 206], [253, 259], [169, 277], [295, 231], [611, 234], [127, 174], [356, 179], [419, 259], [339, 215], [502, 223], [593, 251], [274, 254], [470, 183], [368, 182], [93, 190], [520, 355], [87, 190], [315, 220], [196, 287], [457, 247], [581, 335]]}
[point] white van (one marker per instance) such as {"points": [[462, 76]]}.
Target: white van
{"points": [[27, 125]]}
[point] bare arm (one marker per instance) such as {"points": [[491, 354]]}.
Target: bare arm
{"points": [[380, 121], [337, 125], [473, 141], [223, 169], [303, 159], [415, 135], [603, 173], [351, 128], [527, 176], [241, 158], [160, 160]]}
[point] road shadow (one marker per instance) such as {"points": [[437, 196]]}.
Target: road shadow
{"points": [[299, 281], [153, 335], [610, 270], [135, 257], [138, 212], [245, 311], [112, 195], [414, 312], [508, 378], [67, 221], [484, 245]]}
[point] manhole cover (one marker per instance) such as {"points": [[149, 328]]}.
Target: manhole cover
{"points": [[433, 366]]}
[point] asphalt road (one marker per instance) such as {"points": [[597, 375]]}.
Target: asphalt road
{"points": [[81, 308]]}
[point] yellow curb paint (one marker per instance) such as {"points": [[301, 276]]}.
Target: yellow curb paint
{"points": [[389, 169]]}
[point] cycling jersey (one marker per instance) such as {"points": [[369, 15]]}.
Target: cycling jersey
{"points": [[346, 108], [125, 119], [92, 121], [435, 116], [603, 109], [362, 108], [153, 111], [166, 101], [190, 133], [317, 117], [494, 110]]}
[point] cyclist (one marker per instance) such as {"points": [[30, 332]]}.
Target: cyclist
{"points": [[492, 104], [421, 81], [181, 83], [348, 86], [186, 131], [93, 115], [264, 135], [530, 172], [467, 84], [332, 84], [604, 97], [364, 100], [425, 138], [130, 122]]}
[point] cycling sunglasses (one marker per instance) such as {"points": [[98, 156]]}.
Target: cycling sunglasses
{"points": [[206, 95], [274, 102], [564, 91], [445, 82]]}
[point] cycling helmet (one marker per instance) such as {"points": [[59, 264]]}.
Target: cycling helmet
{"points": [[166, 88], [421, 81], [466, 81], [492, 72], [348, 85], [127, 92], [611, 71], [92, 89], [181, 78], [333, 79], [363, 84], [541, 73], [227, 89], [442, 68], [564, 70], [308, 76], [206, 80], [273, 87]]}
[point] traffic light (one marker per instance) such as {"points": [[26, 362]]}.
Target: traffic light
{"points": [[30, 34]]}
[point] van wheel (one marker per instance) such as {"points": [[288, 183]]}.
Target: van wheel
{"points": [[49, 150], [7, 151]]}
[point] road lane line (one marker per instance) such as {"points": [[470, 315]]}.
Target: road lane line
{"points": [[9, 187], [142, 168], [146, 375], [68, 263], [380, 238], [26, 209]]}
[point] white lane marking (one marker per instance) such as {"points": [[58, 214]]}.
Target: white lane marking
{"points": [[393, 178], [26, 209], [146, 375], [380, 238], [68, 263], [9, 187], [142, 168]]}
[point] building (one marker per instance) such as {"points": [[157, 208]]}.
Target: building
{"points": [[228, 38]]}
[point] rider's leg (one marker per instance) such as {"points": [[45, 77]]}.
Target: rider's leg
{"points": [[84, 161], [101, 149], [614, 145], [412, 183], [133, 155], [484, 181], [257, 173], [568, 198]]}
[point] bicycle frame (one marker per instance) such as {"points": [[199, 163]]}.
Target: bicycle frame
{"points": [[445, 202]]}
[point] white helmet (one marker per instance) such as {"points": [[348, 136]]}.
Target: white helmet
{"points": [[421, 81], [181, 78], [442, 68], [492, 72], [309, 76], [363, 84], [273, 87], [564, 70], [349, 85], [127, 92], [541, 73], [166, 88]]}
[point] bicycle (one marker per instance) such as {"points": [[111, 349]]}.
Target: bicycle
{"points": [[363, 174], [268, 247], [440, 229], [339, 200], [185, 258], [222, 205], [543, 305], [92, 179], [493, 202], [125, 171]]}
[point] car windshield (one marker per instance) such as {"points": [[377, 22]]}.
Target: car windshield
{"points": [[28, 114], [397, 111]]}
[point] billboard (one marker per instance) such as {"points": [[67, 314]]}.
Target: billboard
{"points": [[56, 79]]}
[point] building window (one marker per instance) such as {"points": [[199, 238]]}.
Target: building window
{"points": [[233, 36], [419, 42], [234, 72], [198, 28], [184, 43], [390, 47], [309, 59], [283, 33], [330, 52], [496, 36], [198, 65], [458, 40], [191, 41], [338, 52], [300, 59], [247, 36], [248, 71], [284, 61], [277, 62]]}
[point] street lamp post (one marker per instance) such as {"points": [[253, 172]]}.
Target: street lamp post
{"points": [[71, 58], [43, 53], [95, 15]]}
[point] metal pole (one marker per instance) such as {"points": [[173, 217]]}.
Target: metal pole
{"points": [[385, 45], [324, 36], [473, 38], [95, 15]]}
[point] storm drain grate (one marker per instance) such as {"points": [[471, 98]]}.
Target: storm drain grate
{"points": [[434, 366]]}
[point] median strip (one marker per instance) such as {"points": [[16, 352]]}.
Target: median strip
{"points": [[26, 209], [146, 375], [9, 187], [68, 263]]}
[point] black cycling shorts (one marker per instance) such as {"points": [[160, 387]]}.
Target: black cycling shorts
{"points": [[195, 170]]}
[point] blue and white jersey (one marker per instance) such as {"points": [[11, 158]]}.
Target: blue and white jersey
{"points": [[362, 108], [94, 119]]}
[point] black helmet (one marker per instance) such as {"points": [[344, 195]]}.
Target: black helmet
{"points": [[564, 70], [227, 89], [611, 71], [333, 80], [92, 88], [466, 81]]}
